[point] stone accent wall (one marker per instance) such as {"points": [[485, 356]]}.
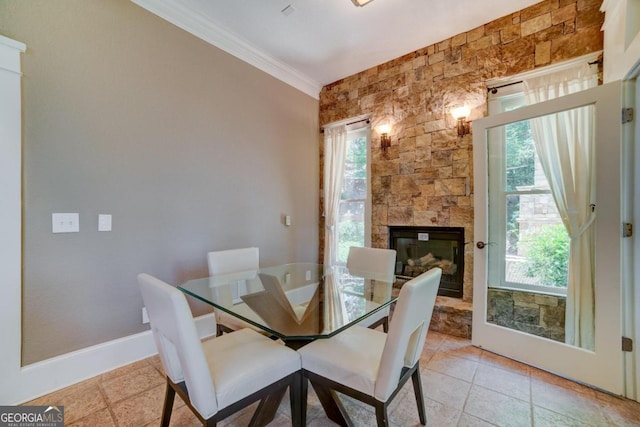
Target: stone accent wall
{"points": [[541, 315], [426, 177]]}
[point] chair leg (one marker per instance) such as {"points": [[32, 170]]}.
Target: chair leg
{"points": [[304, 391], [267, 408], [385, 325], [331, 404], [417, 389], [169, 396], [381, 414], [295, 399], [219, 330]]}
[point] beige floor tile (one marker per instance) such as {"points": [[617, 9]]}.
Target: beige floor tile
{"points": [[467, 420], [140, 409], [445, 389], [545, 418], [131, 383], [182, 417], [434, 339], [101, 418], [320, 422], [459, 347], [505, 382], [583, 407], [620, 411], [78, 401], [492, 359], [240, 418], [438, 414], [549, 378], [125, 370], [426, 356], [497, 408], [454, 366], [156, 363], [361, 415], [60, 395]]}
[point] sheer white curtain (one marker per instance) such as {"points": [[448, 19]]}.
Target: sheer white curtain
{"points": [[335, 153], [335, 310], [565, 145]]}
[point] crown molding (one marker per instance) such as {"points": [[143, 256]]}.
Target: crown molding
{"points": [[172, 11]]}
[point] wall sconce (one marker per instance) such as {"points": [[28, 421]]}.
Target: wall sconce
{"points": [[385, 138], [460, 113]]}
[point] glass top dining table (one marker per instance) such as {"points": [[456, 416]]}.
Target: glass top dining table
{"points": [[296, 302]]}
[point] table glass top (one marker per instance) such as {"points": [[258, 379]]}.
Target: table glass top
{"points": [[296, 301]]}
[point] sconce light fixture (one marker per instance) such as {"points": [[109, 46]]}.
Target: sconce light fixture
{"points": [[361, 2], [460, 113], [385, 138]]}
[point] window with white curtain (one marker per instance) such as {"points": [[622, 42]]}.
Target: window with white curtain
{"points": [[524, 220], [347, 206], [353, 212]]}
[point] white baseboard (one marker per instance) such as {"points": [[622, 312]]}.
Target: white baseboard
{"points": [[53, 374]]}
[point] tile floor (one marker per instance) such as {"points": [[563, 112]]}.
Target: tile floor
{"points": [[463, 386]]}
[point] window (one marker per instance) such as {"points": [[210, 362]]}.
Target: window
{"points": [[529, 247], [353, 222]]}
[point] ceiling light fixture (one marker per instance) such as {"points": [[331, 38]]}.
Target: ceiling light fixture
{"points": [[361, 2]]}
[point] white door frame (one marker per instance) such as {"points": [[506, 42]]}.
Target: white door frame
{"points": [[11, 211], [631, 213], [565, 360]]}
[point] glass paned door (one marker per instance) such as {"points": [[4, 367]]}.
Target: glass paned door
{"points": [[543, 231]]}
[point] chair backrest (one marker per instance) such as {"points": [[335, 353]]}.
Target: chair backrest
{"points": [[178, 343], [375, 263], [408, 330], [241, 263], [233, 260]]}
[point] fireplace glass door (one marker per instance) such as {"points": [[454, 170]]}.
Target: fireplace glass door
{"points": [[422, 248]]}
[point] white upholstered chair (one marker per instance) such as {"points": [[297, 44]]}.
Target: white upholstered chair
{"points": [[373, 366], [227, 262], [378, 265], [219, 376]]}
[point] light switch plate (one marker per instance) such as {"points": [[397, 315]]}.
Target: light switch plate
{"points": [[104, 222], [65, 223]]}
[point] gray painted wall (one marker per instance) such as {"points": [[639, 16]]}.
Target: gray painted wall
{"points": [[189, 148]]}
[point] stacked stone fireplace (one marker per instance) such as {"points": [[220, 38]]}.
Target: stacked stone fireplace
{"points": [[422, 248]]}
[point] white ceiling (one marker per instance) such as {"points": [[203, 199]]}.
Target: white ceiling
{"points": [[322, 41]]}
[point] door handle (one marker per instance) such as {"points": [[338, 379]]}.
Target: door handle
{"points": [[481, 245]]}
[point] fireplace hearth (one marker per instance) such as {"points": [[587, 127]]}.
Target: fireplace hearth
{"points": [[422, 248]]}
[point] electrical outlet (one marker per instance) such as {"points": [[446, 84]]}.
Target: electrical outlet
{"points": [[145, 316]]}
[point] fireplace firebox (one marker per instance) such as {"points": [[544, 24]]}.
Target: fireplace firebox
{"points": [[421, 248]]}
